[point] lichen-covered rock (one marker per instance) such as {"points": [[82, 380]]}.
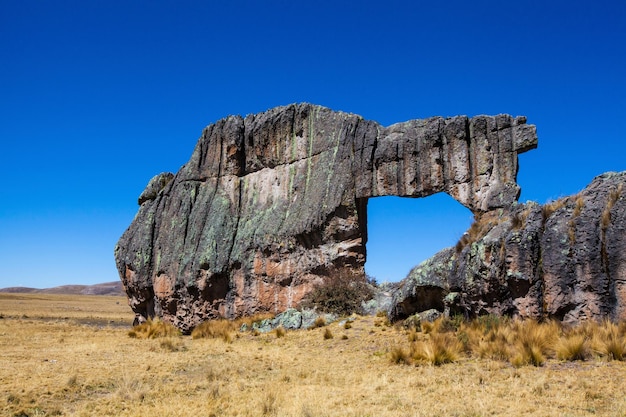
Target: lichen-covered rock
{"points": [[565, 260], [382, 298], [268, 204]]}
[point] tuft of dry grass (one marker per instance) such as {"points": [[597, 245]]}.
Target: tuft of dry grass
{"points": [[328, 334], [439, 349], [478, 229], [578, 206], [400, 355], [533, 342], [428, 327], [152, 329], [269, 407], [495, 344], [610, 341], [215, 329], [605, 219], [549, 208], [518, 219], [573, 347], [171, 344], [320, 321], [280, 332]]}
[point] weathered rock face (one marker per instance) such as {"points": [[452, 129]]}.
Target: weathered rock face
{"points": [[270, 203], [565, 260]]}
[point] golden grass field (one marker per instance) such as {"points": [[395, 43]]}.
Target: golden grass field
{"points": [[73, 356]]}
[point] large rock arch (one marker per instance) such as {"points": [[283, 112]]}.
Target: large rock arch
{"points": [[269, 203]]}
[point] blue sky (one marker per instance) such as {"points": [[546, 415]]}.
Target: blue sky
{"points": [[96, 97]]}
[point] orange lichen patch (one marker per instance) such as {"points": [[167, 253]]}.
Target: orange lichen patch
{"points": [[129, 274], [163, 286]]}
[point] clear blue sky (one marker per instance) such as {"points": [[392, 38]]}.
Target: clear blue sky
{"points": [[96, 97]]}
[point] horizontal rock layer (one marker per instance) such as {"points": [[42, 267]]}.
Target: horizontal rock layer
{"points": [[270, 203]]}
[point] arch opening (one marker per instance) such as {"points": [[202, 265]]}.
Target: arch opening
{"points": [[404, 231]]}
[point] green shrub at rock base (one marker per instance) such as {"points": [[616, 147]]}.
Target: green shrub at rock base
{"points": [[341, 293]]}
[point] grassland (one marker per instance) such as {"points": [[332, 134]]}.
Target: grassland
{"points": [[72, 356]]}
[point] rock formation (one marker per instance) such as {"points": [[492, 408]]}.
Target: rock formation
{"points": [[270, 203], [565, 260]]}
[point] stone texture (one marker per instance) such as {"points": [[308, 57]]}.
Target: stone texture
{"points": [[291, 319], [565, 260], [270, 203]]}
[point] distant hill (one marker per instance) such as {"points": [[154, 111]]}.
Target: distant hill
{"points": [[107, 288]]}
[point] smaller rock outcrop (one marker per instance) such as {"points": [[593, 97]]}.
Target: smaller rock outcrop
{"points": [[291, 319], [564, 260]]}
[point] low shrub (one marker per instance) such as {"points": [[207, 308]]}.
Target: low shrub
{"points": [[341, 293]]}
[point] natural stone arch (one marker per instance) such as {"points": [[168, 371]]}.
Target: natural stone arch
{"points": [[269, 203], [402, 232]]}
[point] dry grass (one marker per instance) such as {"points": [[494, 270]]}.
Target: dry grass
{"points": [[280, 331], [153, 329], [610, 341], [578, 208], [533, 342], [479, 228], [328, 334], [573, 347], [614, 195], [53, 366], [549, 208], [215, 329], [579, 205], [519, 219], [517, 342], [320, 321], [440, 348]]}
